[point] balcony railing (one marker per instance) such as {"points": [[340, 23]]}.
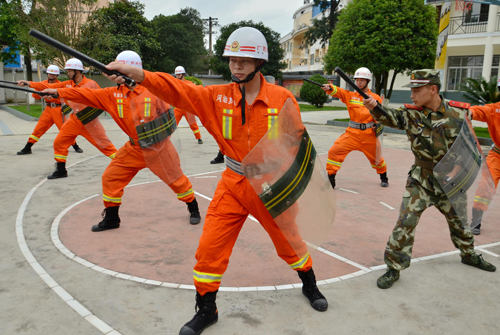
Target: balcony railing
{"points": [[469, 24]]}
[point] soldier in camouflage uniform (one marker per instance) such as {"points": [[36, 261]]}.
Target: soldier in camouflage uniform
{"points": [[432, 125]]}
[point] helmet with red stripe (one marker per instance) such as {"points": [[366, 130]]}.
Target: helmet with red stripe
{"points": [[246, 42]]}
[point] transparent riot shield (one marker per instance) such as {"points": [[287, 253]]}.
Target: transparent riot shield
{"points": [[154, 122], [458, 170], [288, 177]]}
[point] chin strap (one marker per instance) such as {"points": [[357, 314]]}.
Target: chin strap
{"points": [[242, 89]]}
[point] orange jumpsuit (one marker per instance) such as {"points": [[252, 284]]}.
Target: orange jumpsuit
{"points": [[219, 109], [51, 114], [129, 160], [190, 118], [491, 115], [363, 140], [93, 131]]}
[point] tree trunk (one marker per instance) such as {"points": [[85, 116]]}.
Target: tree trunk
{"points": [[27, 64], [392, 84]]}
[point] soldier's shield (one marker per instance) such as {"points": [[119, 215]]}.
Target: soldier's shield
{"points": [[154, 124], [458, 170], [285, 172]]}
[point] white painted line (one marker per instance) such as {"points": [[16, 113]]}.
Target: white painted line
{"points": [[340, 258], [386, 205], [346, 190], [488, 252], [40, 271]]}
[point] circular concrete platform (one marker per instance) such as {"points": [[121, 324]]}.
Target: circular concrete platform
{"points": [[156, 242]]}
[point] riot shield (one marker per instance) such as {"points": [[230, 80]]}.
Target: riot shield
{"points": [[154, 122], [457, 171], [285, 172]]}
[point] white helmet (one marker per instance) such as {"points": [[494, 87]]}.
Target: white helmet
{"points": [[73, 64], [363, 73], [180, 70], [129, 57], [53, 69], [246, 42]]}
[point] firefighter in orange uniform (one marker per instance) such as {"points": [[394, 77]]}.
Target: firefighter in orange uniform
{"points": [[490, 114], [237, 116], [361, 134], [130, 107], [51, 114], [180, 73], [82, 121]]}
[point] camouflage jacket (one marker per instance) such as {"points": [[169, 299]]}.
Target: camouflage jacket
{"points": [[431, 134]]}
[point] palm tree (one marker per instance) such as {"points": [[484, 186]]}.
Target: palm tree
{"points": [[480, 91]]}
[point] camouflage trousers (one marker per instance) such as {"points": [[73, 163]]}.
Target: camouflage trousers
{"points": [[415, 200]]}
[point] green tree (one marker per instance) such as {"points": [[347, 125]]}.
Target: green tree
{"points": [[384, 35], [121, 26], [181, 41], [59, 19], [480, 91], [274, 65], [312, 93], [322, 28], [10, 25]]}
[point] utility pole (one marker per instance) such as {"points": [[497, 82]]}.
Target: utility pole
{"points": [[211, 22]]}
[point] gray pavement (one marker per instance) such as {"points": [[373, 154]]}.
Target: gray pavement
{"points": [[435, 296]]}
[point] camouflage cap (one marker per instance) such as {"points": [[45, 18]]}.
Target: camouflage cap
{"points": [[424, 77]]}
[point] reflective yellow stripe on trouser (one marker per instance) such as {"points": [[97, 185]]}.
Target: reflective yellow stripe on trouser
{"points": [[332, 162], [180, 196], [60, 157], [111, 199], [204, 277], [34, 138], [227, 124], [481, 200], [300, 263]]}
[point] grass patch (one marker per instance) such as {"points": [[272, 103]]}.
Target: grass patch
{"points": [[309, 108], [482, 132], [34, 110]]}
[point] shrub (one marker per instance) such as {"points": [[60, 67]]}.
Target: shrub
{"points": [[194, 80], [312, 93]]}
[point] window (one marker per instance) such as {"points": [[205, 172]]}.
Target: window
{"points": [[476, 12], [311, 61], [462, 67], [494, 66]]}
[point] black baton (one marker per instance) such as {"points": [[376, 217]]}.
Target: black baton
{"points": [[348, 80], [314, 82], [29, 90], [8, 82], [77, 54]]}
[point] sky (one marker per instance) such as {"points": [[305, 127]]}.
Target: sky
{"points": [[276, 14]]}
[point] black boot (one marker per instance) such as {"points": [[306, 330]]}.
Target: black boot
{"points": [[218, 159], [475, 225], [194, 212], [311, 291], [60, 171], [206, 314], [77, 148], [26, 150], [111, 219], [384, 181], [331, 177]]}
